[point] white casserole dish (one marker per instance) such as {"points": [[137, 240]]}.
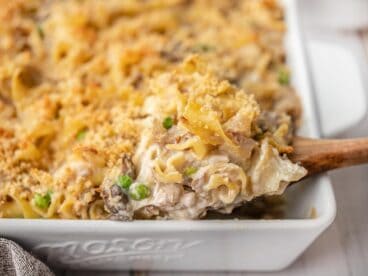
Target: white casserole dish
{"points": [[194, 245]]}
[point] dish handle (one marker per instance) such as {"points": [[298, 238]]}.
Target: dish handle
{"points": [[338, 87]]}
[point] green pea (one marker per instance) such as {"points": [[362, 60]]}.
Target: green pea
{"points": [[190, 170], [81, 134], [124, 181], [42, 201], [283, 77], [168, 122], [139, 192]]}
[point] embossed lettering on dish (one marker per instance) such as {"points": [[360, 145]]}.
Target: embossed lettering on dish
{"points": [[82, 253]]}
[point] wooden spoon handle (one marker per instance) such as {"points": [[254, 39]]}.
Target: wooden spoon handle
{"points": [[319, 155]]}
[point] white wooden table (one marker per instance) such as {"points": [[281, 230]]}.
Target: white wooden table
{"points": [[343, 248]]}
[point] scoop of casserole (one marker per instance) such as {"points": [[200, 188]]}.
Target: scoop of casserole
{"points": [[205, 145]]}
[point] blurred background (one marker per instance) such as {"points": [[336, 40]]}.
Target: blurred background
{"points": [[336, 41]]}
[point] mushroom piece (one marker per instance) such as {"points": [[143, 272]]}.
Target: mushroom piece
{"points": [[148, 212], [115, 199], [127, 166]]}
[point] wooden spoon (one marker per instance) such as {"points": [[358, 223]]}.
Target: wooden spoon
{"points": [[320, 155]]}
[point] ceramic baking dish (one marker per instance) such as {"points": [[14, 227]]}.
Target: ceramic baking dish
{"points": [[194, 245]]}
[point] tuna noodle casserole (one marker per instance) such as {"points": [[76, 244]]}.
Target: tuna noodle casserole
{"points": [[142, 109]]}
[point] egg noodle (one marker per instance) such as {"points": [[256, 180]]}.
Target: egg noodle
{"points": [[142, 109]]}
